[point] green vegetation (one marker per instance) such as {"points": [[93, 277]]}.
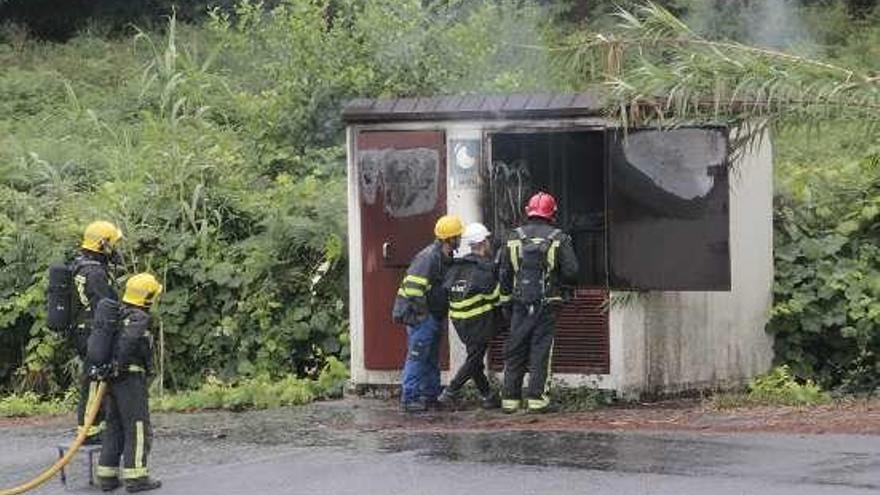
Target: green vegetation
{"points": [[217, 146], [657, 69], [258, 393], [218, 149], [250, 393], [579, 399], [776, 388], [30, 404], [827, 313]]}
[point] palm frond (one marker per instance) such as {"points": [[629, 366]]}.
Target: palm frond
{"points": [[656, 70]]}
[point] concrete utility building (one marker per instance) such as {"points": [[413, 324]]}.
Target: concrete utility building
{"points": [[673, 232]]}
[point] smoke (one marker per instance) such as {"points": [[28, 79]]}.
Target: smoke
{"points": [[477, 46], [774, 24]]}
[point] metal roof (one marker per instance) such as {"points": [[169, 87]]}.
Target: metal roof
{"points": [[473, 107]]}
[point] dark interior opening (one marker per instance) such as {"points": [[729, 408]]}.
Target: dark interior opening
{"points": [[569, 165]]}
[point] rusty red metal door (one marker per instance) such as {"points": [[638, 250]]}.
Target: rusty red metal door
{"points": [[402, 182]]}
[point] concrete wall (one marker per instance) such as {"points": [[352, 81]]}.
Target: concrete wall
{"points": [[674, 341], [464, 202]]}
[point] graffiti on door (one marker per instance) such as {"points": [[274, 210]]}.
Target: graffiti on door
{"points": [[407, 179]]}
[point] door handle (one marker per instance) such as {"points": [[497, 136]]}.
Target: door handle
{"points": [[386, 247]]}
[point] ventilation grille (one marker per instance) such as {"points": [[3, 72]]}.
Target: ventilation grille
{"points": [[581, 344]]}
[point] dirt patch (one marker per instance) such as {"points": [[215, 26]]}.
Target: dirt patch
{"points": [[375, 415], [36, 421], [850, 417]]}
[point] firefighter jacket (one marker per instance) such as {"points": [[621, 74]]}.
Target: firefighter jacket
{"points": [[474, 296], [421, 291], [92, 282], [134, 344], [561, 265]]}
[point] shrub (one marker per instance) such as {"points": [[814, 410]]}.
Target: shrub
{"points": [[779, 387], [826, 316], [776, 388], [258, 393], [30, 404], [575, 399], [219, 150]]}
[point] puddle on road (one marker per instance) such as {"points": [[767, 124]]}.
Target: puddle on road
{"points": [[681, 455], [380, 428], [598, 451], [384, 430]]}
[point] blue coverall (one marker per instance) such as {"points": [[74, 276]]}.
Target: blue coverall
{"points": [[422, 306]]}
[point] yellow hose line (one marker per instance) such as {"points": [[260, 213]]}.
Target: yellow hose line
{"points": [[80, 438]]}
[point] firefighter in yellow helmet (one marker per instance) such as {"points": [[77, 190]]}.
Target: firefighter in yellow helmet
{"points": [[92, 282], [128, 434], [422, 305]]}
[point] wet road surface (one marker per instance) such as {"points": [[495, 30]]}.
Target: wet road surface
{"points": [[332, 449]]}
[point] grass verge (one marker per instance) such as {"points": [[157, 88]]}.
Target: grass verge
{"points": [[29, 404], [257, 393], [251, 393], [776, 388]]}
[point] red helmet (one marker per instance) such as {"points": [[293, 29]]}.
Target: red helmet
{"points": [[542, 205]]}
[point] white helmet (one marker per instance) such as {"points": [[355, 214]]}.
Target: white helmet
{"points": [[474, 233]]}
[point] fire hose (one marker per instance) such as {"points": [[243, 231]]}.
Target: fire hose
{"points": [[74, 447]]}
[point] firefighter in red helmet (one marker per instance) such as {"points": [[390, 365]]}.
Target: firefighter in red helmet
{"points": [[537, 260]]}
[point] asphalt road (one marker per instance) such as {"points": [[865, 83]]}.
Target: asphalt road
{"points": [[321, 450]]}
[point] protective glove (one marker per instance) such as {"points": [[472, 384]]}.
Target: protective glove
{"points": [[101, 373]]}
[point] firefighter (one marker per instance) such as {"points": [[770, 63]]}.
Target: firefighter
{"points": [[92, 282], [421, 305], [538, 259], [128, 434], [474, 294]]}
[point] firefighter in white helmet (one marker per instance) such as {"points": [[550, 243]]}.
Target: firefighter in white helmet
{"points": [[474, 296]]}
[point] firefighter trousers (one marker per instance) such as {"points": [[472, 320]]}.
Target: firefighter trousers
{"points": [[88, 391], [473, 367], [528, 348], [421, 371], [128, 433]]}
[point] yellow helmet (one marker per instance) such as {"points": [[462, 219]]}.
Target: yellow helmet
{"points": [[447, 227], [141, 290], [101, 237]]}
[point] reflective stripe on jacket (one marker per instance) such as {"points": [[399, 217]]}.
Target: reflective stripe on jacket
{"points": [[474, 295], [92, 282], [421, 290]]}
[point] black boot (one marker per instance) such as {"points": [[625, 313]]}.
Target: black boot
{"points": [[448, 400], [108, 483], [433, 404], [491, 401], [142, 484], [414, 406]]}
